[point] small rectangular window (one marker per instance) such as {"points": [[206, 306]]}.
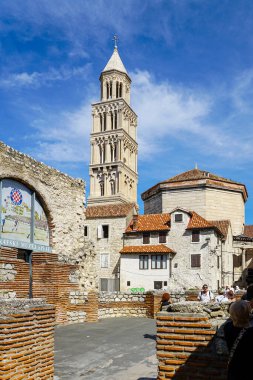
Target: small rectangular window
{"points": [[162, 236], [158, 285], [143, 262], [85, 231], [195, 236], [104, 260], [195, 261], [103, 284], [178, 218], [146, 237], [128, 283], [159, 262], [103, 231], [165, 283]]}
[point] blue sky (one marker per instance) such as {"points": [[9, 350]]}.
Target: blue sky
{"points": [[191, 65]]}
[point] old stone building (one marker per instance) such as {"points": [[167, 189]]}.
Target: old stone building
{"points": [[113, 170], [176, 250], [203, 239]]}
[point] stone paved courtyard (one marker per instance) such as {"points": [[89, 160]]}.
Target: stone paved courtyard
{"points": [[116, 348]]}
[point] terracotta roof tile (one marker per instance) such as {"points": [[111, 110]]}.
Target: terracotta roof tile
{"points": [[109, 210], [248, 230], [149, 222], [194, 178], [146, 248], [221, 225], [196, 221], [197, 174]]}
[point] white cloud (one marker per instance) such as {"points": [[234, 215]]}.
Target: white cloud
{"points": [[242, 91], [63, 137], [37, 79], [168, 114]]}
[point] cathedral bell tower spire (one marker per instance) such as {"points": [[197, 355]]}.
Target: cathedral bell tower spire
{"points": [[113, 165]]}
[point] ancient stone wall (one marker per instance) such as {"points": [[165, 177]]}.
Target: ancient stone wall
{"points": [[56, 282], [61, 196], [190, 344], [125, 304], [26, 340]]}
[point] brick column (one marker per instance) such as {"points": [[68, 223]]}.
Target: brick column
{"points": [[186, 349], [27, 341], [92, 307]]}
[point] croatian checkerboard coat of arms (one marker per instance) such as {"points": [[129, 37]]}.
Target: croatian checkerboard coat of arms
{"points": [[16, 197]]}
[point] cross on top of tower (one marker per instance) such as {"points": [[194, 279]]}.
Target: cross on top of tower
{"points": [[115, 38]]}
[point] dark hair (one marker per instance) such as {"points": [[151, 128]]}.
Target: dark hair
{"points": [[249, 293], [166, 297]]}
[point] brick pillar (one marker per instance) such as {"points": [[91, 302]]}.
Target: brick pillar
{"points": [[153, 303], [186, 348], [27, 341], [92, 308]]}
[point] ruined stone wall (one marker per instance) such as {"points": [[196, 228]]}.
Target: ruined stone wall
{"points": [[26, 340], [56, 282], [190, 342], [61, 196], [125, 304]]}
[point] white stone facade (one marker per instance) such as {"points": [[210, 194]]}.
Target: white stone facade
{"points": [[216, 259]]}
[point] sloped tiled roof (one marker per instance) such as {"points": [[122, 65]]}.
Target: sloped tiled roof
{"points": [[248, 231], [221, 225], [197, 174], [146, 248], [196, 177], [109, 210], [196, 221], [149, 222]]}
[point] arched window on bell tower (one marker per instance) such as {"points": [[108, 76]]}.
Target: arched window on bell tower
{"points": [[117, 89], [102, 188], [120, 90], [113, 187], [115, 120], [107, 90], [101, 122], [110, 89]]}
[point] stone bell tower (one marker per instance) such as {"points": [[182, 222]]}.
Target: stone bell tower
{"points": [[113, 162]]}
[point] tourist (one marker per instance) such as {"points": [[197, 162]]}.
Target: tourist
{"points": [[248, 295], [227, 288], [165, 301], [231, 296], [205, 295], [239, 336], [237, 289], [221, 297]]}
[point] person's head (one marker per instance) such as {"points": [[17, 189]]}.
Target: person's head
{"points": [[205, 287], [166, 297], [230, 294], [240, 312]]}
